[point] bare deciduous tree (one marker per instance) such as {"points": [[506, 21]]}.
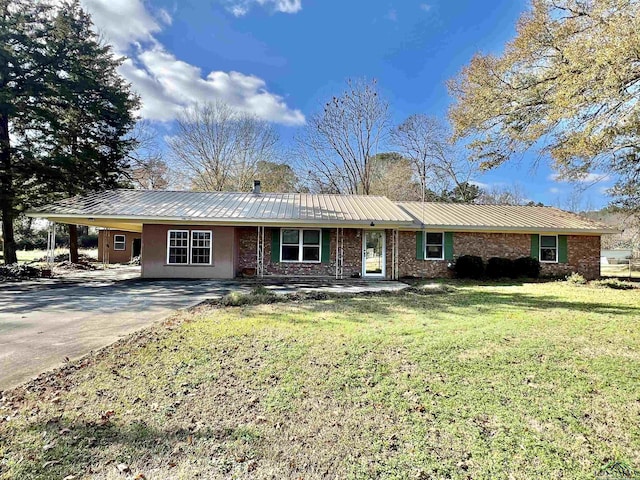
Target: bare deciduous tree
{"points": [[502, 195], [393, 177], [338, 143], [147, 169], [437, 164], [219, 148]]}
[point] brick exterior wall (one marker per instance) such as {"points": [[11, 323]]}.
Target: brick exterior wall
{"points": [[583, 257], [247, 258], [410, 266], [583, 254]]}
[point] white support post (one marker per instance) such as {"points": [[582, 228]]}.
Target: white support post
{"points": [[339, 253], [51, 244], [260, 253], [394, 254], [106, 245]]}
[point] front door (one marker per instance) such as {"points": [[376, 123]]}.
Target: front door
{"points": [[373, 253]]}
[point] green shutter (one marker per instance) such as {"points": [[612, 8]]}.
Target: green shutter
{"points": [[535, 246], [275, 245], [420, 245], [562, 249], [448, 245], [326, 245]]}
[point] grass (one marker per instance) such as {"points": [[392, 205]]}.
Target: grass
{"points": [[25, 256], [495, 381], [620, 271]]}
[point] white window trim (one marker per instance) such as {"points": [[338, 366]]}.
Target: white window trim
{"points": [[300, 245], [426, 245], [123, 242], [169, 232], [210, 232], [540, 247]]}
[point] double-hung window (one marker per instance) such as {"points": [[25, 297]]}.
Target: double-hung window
{"points": [[201, 247], [119, 242], [434, 246], [300, 245], [549, 248], [186, 247], [178, 247]]}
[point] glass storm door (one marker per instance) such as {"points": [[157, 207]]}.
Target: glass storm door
{"points": [[373, 253]]}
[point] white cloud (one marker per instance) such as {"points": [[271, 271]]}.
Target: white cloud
{"points": [[240, 8], [165, 83], [122, 22], [425, 7], [479, 184], [585, 178], [165, 16], [554, 190]]}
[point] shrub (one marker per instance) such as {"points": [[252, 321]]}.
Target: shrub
{"points": [[261, 290], [469, 266], [576, 279], [235, 299], [614, 283], [498, 267], [527, 267], [88, 241]]}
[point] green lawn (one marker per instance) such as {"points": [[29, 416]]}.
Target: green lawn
{"points": [[620, 270], [523, 381], [25, 256]]}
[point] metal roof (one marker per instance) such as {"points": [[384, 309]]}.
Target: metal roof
{"points": [[129, 209], [464, 216], [228, 207]]}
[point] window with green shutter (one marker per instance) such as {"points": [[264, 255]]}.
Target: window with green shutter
{"points": [[448, 245], [420, 245], [535, 246], [275, 245], [301, 245], [326, 245], [563, 254]]}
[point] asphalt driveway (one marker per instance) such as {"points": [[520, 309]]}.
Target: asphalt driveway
{"points": [[41, 324]]}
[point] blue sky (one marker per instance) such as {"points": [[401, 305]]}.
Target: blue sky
{"points": [[280, 59]]}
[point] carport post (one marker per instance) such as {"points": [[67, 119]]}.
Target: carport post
{"points": [[51, 243]]}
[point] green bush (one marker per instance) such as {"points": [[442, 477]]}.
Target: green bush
{"points": [[469, 266], [527, 267], [614, 283], [576, 279], [88, 241], [498, 267]]}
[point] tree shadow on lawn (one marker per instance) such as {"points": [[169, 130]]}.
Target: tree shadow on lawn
{"points": [[82, 448], [392, 303]]}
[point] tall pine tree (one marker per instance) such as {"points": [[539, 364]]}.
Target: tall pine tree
{"points": [[92, 116], [26, 71], [74, 134]]}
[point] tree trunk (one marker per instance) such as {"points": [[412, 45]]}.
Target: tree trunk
{"points": [[6, 193], [73, 243]]}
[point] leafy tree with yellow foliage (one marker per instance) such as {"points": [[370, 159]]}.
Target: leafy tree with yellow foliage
{"points": [[568, 83]]}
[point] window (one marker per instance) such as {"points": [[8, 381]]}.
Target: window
{"points": [[201, 247], [119, 242], [178, 247], [434, 248], [549, 248], [186, 247], [300, 245]]}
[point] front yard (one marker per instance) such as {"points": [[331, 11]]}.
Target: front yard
{"points": [[514, 381]]}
